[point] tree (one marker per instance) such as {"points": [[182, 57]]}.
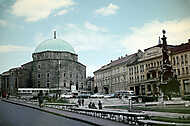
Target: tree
{"points": [[171, 88]]}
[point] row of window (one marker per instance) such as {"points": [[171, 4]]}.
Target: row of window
{"points": [[182, 71], [64, 84], [64, 75], [135, 70], [123, 78], [51, 55], [60, 65], [132, 70], [136, 79], [182, 58]]}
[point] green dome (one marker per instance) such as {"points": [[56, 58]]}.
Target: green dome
{"points": [[54, 45]]}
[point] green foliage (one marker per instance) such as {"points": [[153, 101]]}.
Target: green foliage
{"points": [[54, 100], [149, 98], [62, 101], [186, 98], [174, 109], [171, 88], [176, 120]]}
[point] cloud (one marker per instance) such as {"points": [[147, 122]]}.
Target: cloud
{"points": [[62, 12], [34, 10], [84, 39], [177, 31], [3, 23], [93, 27], [13, 48], [109, 10], [39, 37]]}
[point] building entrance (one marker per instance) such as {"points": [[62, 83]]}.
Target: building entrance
{"points": [[106, 90], [137, 90]]}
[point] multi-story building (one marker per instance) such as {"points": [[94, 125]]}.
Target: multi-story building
{"points": [[114, 76], [143, 73], [55, 65], [180, 59], [89, 84]]}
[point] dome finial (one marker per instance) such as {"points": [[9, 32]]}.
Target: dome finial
{"points": [[54, 34], [163, 31]]}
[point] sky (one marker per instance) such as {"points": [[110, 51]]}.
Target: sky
{"points": [[98, 30]]}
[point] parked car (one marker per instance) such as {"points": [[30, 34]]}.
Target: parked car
{"points": [[52, 95], [109, 96], [84, 95], [66, 96], [26, 97], [97, 95]]}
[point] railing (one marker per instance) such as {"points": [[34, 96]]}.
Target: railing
{"points": [[126, 117], [153, 68], [121, 116], [62, 106]]}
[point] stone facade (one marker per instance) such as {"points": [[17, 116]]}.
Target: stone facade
{"points": [[49, 69], [114, 76], [89, 84], [57, 69], [180, 59], [5, 84], [142, 72]]}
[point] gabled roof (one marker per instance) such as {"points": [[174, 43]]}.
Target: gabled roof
{"points": [[128, 59]]}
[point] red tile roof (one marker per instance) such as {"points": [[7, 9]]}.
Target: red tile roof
{"points": [[181, 48]]}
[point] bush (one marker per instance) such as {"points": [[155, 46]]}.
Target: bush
{"points": [[186, 98], [62, 101], [148, 98]]}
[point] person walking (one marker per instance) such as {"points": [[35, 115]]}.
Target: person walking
{"points": [[100, 104], [83, 102], [40, 98], [90, 105], [79, 102]]}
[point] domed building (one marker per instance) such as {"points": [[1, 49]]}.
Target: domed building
{"points": [[55, 65]]}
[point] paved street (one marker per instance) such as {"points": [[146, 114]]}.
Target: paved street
{"points": [[75, 116], [26, 113], [15, 115]]}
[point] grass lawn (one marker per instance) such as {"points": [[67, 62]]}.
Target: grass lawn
{"points": [[172, 109], [175, 109], [176, 120]]}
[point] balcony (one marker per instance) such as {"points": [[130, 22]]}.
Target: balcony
{"points": [[150, 69], [151, 80]]}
